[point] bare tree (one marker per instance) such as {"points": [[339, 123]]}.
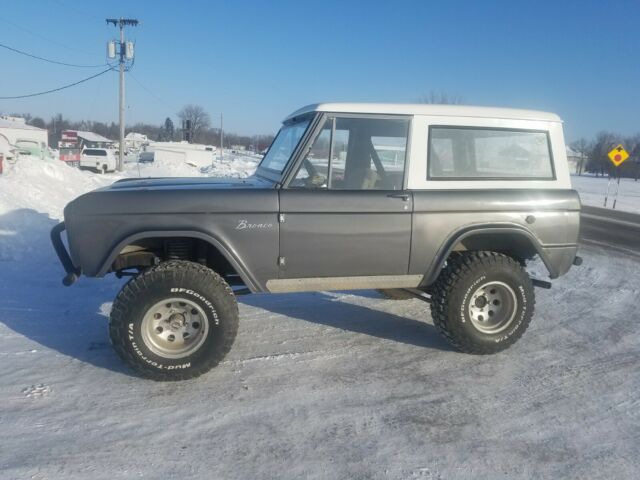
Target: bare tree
{"points": [[441, 98], [198, 119], [632, 144], [583, 148], [37, 122], [598, 161]]}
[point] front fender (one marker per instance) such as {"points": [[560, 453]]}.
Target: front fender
{"points": [[101, 223]]}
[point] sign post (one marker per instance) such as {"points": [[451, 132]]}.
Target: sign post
{"points": [[617, 156]]}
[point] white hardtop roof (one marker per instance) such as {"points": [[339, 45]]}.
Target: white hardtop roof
{"points": [[427, 109]]}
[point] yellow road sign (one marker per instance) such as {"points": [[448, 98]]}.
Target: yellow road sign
{"points": [[618, 155]]}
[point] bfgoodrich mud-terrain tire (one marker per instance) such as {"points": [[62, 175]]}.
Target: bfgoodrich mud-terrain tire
{"points": [[482, 302], [174, 321]]}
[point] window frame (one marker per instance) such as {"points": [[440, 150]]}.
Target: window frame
{"points": [[291, 173], [274, 175], [103, 153], [430, 178]]}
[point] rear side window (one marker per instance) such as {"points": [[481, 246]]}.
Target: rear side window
{"points": [[474, 153], [95, 152]]}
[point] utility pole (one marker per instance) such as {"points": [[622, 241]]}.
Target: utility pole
{"points": [[125, 53]]}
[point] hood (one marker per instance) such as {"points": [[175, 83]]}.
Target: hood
{"points": [[204, 183]]}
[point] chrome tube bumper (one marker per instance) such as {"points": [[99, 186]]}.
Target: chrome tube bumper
{"points": [[72, 271]]}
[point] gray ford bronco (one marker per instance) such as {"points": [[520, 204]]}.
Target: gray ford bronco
{"points": [[444, 203]]}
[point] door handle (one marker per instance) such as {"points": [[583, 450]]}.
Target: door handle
{"points": [[403, 196]]}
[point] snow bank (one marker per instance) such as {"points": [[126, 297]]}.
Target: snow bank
{"points": [[34, 192], [44, 185], [48, 185], [229, 166], [592, 191]]}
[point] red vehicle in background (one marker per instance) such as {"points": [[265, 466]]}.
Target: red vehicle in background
{"points": [[69, 147]]}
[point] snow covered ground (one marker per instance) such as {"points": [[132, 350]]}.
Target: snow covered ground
{"points": [[592, 192], [317, 386]]}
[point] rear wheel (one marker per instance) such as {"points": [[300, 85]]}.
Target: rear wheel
{"points": [[174, 321], [482, 302]]}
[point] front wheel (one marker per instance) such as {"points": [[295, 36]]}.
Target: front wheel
{"points": [[174, 321], [482, 302]]}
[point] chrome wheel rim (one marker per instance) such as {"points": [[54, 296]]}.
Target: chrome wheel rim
{"points": [[174, 328], [492, 307]]}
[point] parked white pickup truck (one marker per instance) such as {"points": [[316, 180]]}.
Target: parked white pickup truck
{"points": [[101, 159]]}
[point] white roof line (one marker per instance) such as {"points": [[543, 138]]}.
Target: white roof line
{"points": [[20, 126], [93, 137], [428, 109]]}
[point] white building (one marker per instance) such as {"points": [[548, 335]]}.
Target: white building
{"points": [[135, 141], [91, 139], [183, 152], [576, 161], [14, 132]]}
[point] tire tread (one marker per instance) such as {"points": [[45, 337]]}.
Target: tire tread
{"points": [[459, 265], [179, 270]]}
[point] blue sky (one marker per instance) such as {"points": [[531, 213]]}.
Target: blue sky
{"points": [[258, 61]]}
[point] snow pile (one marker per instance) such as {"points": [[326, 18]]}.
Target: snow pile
{"points": [[232, 166], [44, 185], [592, 191], [34, 192], [229, 166]]}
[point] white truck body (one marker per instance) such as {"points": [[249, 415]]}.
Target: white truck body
{"points": [[100, 159]]}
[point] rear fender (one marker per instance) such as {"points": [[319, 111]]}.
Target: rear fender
{"points": [[501, 229]]}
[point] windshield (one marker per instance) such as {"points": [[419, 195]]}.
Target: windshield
{"points": [[95, 153], [283, 146]]}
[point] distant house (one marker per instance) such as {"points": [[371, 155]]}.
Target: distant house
{"points": [[74, 141], [16, 135], [135, 141]]}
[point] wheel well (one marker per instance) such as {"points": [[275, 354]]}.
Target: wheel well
{"points": [[514, 245], [511, 243], [146, 252]]}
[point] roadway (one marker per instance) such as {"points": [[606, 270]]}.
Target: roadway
{"points": [[610, 228]]}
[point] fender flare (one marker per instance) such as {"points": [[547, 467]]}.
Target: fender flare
{"points": [[227, 252], [465, 232]]}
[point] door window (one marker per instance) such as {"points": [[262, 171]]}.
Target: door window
{"points": [[355, 153], [314, 171]]}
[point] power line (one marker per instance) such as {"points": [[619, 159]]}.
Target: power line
{"points": [[48, 60], [157, 97], [59, 88], [35, 34]]}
